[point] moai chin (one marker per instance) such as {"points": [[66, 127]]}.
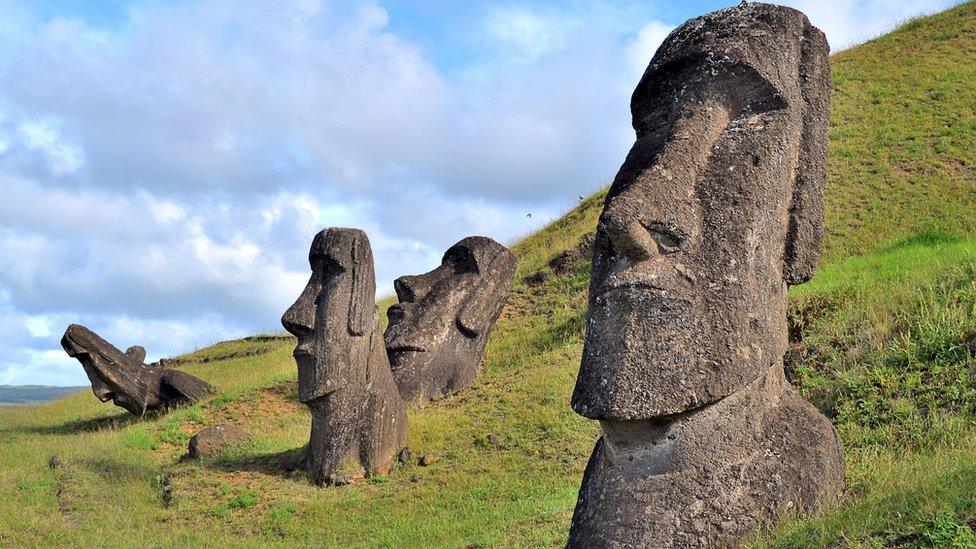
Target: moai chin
{"points": [[437, 332], [125, 379], [716, 210], [358, 418]]}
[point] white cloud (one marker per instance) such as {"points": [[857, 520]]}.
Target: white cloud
{"points": [[39, 325], [849, 22], [57, 367], [45, 136], [640, 51], [529, 35], [167, 211]]}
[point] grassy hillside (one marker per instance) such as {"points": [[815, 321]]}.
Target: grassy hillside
{"points": [[883, 342], [903, 135]]}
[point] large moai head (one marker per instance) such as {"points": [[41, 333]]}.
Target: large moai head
{"points": [[717, 208], [335, 316], [125, 379], [437, 332]]}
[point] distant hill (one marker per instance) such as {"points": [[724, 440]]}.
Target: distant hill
{"points": [[33, 394]]}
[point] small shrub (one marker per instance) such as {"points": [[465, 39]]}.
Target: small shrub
{"points": [[945, 529], [245, 499]]}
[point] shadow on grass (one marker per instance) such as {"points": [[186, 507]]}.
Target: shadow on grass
{"points": [[77, 426], [114, 470], [288, 463]]}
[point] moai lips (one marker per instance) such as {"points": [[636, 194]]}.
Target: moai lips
{"points": [[438, 331], [123, 377], [358, 417], [716, 210]]}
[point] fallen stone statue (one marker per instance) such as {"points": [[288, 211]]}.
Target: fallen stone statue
{"points": [[358, 418], [437, 332], [716, 210], [125, 379]]}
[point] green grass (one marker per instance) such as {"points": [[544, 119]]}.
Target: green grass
{"points": [[884, 345], [897, 500], [882, 341], [903, 135]]}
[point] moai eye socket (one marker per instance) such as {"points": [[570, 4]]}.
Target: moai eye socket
{"points": [[462, 259], [331, 267], [668, 241]]}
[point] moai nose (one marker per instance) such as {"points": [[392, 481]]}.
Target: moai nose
{"points": [[629, 236], [395, 313], [299, 319], [411, 288]]}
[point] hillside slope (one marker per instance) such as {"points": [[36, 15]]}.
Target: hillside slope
{"points": [[882, 341], [903, 135]]}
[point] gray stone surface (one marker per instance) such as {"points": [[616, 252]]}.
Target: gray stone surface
{"points": [[213, 440], [125, 379], [358, 417], [716, 210], [438, 330], [136, 353]]}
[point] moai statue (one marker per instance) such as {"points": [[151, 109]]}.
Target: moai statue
{"points": [[358, 419], [437, 333], [716, 210], [125, 379]]}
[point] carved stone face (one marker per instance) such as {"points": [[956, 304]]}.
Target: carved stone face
{"points": [[114, 375], [438, 331], [701, 228], [334, 315]]}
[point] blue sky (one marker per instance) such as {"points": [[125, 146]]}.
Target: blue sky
{"points": [[164, 165]]}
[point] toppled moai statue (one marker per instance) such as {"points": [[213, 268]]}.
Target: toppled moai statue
{"points": [[716, 210], [437, 333], [124, 377], [358, 418]]}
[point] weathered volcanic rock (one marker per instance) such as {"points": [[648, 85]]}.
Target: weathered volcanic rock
{"points": [[358, 417], [716, 210], [437, 333], [709, 477], [125, 379], [213, 440]]}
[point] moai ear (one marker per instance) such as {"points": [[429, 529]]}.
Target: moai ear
{"points": [[362, 304], [483, 304], [805, 233]]}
